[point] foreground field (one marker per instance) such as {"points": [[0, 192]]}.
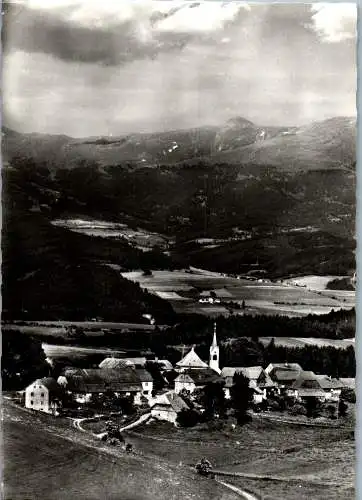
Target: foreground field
{"points": [[320, 460], [45, 460], [181, 289]]}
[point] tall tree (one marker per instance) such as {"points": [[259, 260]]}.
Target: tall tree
{"points": [[214, 400], [241, 398], [23, 360]]}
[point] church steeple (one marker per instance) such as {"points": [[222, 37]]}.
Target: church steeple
{"points": [[214, 341], [214, 353]]}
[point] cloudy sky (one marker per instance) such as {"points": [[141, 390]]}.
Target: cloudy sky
{"points": [[100, 67]]}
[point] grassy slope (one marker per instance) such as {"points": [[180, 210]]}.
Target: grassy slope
{"points": [[313, 455], [41, 464]]}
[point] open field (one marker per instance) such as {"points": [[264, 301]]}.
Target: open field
{"points": [[299, 455], [45, 461], [301, 342], [261, 297], [48, 326], [317, 283], [141, 239], [53, 351]]}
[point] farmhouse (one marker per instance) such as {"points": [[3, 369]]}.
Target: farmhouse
{"points": [[184, 382], [259, 380], [82, 383], [283, 374], [308, 384], [167, 406], [146, 381], [43, 395]]}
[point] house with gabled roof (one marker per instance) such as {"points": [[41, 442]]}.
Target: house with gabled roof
{"points": [[82, 383], [44, 395], [259, 380], [146, 380], [167, 406], [283, 374], [184, 382], [308, 384]]}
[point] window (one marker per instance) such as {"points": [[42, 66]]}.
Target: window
{"points": [[31, 394], [214, 357], [41, 402], [42, 394], [32, 402]]}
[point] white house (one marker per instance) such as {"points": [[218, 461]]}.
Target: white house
{"points": [[146, 381], [184, 382], [259, 380], [167, 406], [43, 395]]}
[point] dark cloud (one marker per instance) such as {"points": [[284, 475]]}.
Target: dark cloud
{"points": [[269, 64], [43, 31]]}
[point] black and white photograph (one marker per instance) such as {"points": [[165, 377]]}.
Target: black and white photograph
{"points": [[178, 250]]}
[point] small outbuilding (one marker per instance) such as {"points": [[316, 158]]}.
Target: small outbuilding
{"points": [[167, 406]]}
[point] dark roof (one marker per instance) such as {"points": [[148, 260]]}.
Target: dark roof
{"points": [[49, 382], [203, 376], [144, 375], [308, 380], [171, 402], [284, 376], [184, 378], [102, 380]]}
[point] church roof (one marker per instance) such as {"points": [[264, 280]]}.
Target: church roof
{"points": [[191, 360]]}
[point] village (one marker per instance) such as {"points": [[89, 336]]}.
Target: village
{"points": [[191, 391]]}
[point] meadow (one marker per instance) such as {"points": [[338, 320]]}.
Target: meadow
{"points": [[182, 289], [43, 460], [318, 459], [301, 342]]}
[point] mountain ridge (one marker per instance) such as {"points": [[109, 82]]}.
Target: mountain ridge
{"points": [[325, 144]]}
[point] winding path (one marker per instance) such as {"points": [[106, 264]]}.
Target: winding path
{"points": [[244, 494], [77, 422]]}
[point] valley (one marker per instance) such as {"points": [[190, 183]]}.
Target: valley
{"points": [[184, 289]]}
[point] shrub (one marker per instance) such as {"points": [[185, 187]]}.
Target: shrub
{"points": [[297, 409], [342, 408], [187, 418], [348, 395], [331, 411]]}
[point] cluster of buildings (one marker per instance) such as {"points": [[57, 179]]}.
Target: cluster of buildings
{"points": [[129, 377]]}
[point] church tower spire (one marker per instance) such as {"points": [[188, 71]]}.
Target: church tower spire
{"points": [[214, 353]]}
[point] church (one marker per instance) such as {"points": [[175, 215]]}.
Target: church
{"points": [[194, 373]]}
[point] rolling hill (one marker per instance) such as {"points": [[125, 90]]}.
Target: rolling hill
{"points": [[237, 198], [327, 144]]}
